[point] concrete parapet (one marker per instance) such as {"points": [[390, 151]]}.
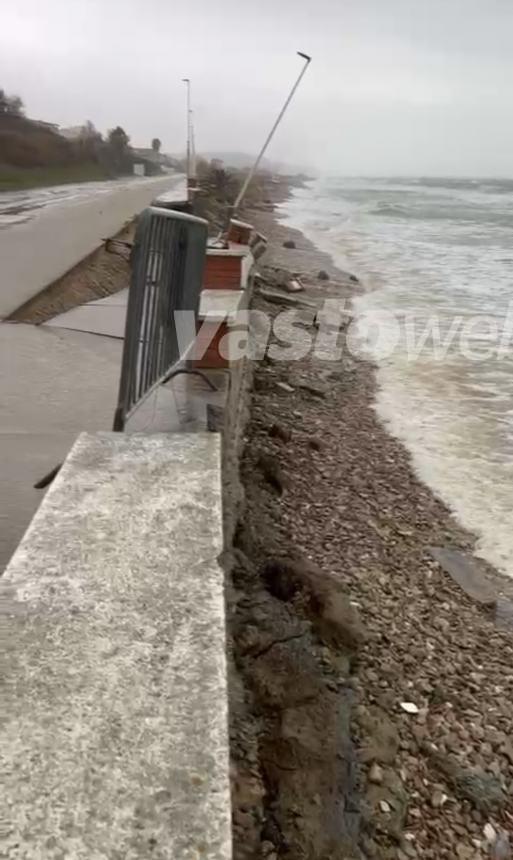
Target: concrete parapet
{"points": [[114, 741]]}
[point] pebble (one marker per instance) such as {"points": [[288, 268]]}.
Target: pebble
{"points": [[376, 774], [410, 707], [285, 387], [438, 799], [489, 833]]}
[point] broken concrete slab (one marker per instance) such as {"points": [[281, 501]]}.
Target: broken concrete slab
{"points": [[468, 573], [465, 571]]}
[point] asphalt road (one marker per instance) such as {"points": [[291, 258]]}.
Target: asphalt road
{"points": [[45, 232]]}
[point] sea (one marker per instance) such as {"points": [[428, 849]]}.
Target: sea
{"points": [[435, 313]]}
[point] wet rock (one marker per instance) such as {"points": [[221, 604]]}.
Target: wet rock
{"points": [[265, 622], [306, 759], [263, 382], [279, 431], [380, 741], [315, 444], [339, 623], [238, 564], [323, 275], [283, 577], [289, 243], [272, 472], [285, 675], [313, 389], [334, 618], [482, 790]]}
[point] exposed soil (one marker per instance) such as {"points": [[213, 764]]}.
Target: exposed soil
{"points": [[374, 712], [100, 274]]}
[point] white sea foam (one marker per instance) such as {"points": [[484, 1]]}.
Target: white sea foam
{"points": [[438, 247]]}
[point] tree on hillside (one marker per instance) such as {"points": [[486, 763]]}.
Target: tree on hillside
{"points": [[88, 142], [156, 144], [118, 151], [90, 130], [118, 140], [12, 105]]}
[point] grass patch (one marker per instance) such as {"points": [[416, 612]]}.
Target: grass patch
{"points": [[14, 178]]}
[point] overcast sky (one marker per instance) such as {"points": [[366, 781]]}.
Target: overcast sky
{"points": [[395, 86]]}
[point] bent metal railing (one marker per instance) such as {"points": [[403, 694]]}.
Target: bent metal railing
{"points": [[167, 269]]}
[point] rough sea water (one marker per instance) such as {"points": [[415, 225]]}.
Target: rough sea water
{"points": [[436, 260]]}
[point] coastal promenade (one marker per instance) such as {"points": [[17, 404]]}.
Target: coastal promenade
{"points": [[41, 249], [54, 383]]}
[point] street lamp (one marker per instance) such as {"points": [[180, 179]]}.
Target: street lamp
{"points": [[279, 118], [187, 82]]}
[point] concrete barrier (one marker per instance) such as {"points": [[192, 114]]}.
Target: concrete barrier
{"points": [[114, 741]]}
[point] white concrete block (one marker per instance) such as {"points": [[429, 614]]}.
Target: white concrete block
{"points": [[115, 742]]}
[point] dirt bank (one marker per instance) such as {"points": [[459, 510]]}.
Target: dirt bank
{"points": [[342, 617]]}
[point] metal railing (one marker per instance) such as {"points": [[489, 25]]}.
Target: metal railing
{"points": [[167, 269]]}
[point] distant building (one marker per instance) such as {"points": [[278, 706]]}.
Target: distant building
{"points": [[48, 126], [146, 154]]}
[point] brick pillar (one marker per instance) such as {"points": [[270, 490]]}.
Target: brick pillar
{"points": [[239, 232]]}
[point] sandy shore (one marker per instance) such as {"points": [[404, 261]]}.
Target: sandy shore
{"points": [[432, 680]]}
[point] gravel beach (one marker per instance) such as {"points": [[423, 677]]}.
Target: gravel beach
{"points": [[431, 678]]}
